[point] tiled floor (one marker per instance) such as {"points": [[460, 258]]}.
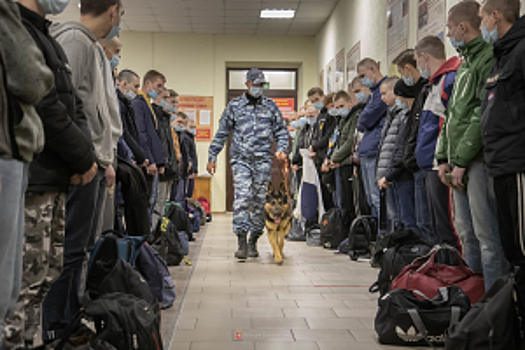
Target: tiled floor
{"points": [[316, 300]]}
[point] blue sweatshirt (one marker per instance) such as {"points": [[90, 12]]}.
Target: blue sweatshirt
{"points": [[371, 123]]}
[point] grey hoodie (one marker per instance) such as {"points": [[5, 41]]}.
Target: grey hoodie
{"points": [[93, 79]]}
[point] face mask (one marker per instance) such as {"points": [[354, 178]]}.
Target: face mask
{"points": [[295, 124], [457, 44], [130, 95], [172, 119], [53, 7], [153, 94], [367, 82], [303, 121], [333, 112], [425, 73], [319, 105], [114, 62], [490, 37], [361, 97], [164, 104], [256, 91], [312, 121], [408, 81], [170, 109], [115, 30], [193, 131], [344, 112], [400, 104], [179, 128], [292, 134]]}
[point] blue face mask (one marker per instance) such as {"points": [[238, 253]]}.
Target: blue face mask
{"points": [[361, 97], [334, 112], [319, 105], [193, 131], [293, 134], [114, 62], [153, 94], [369, 83], [256, 91], [401, 104], [179, 128], [53, 7], [425, 73], [115, 30], [457, 44], [408, 81], [295, 124], [130, 95], [344, 112], [164, 104], [312, 121], [170, 109], [490, 37], [303, 121]]}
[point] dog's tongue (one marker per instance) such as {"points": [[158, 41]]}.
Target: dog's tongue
{"points": [[277, 220]]}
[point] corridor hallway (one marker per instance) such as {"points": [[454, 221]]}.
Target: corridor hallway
{"points": [[315, 301]]}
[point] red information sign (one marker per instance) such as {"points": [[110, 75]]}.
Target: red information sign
{"points": [[203, 134], [286, 105], [200, 110]]}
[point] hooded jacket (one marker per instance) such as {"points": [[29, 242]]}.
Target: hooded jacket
{"points": [[460, 140], [344, 146], [433, 114], [371, 123], [503, 116], [93, 79]]}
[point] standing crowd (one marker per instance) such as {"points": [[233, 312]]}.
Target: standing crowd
{"points": [[75, 137]]}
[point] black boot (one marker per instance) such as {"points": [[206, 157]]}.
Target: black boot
{"points": [[252, 247], [242, 251]]}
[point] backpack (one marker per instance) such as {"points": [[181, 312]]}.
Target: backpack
{"points": [[362, 233], [333, 231], [180, 218], [167, 242], [205, 204], [185, 243], [151, 265], [113, 244], [394, 251], [297, 231], [344, 246], [313, 236], [198, 207]]}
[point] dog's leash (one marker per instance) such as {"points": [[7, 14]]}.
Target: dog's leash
{"points": [[285, 172]]}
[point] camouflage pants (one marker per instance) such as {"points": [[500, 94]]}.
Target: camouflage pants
{"points": [[250, 182], [42, 265]]}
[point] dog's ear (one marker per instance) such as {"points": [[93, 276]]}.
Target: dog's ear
{"points": [[282, 188]]}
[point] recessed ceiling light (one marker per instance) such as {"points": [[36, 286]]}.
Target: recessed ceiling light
{"points": [[277, 13]]}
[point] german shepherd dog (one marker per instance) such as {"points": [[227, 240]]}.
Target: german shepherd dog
{"points": [[278, 219]]}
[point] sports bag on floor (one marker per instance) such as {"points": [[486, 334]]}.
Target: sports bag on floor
{"points": [[196, 205], [313, 236], [427, 276], [492, 323], [362, 233], [333, 231], [298, 231], [406, 320]]}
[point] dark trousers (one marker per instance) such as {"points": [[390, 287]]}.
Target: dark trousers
{"points": [[83, 210], [439, 207], [190, 188], [346, 192], [510, 206], [328, 201]]}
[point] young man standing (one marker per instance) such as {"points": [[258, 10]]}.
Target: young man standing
{"points": [[93, 80], [460, 150], [502, 120], [371, 123], [432, 62]]}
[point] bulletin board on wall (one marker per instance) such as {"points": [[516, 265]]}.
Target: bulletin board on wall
{"points": [[200, 110], [431, 18], [330, 76], [397, 28], [353, 56], [339, 83]]}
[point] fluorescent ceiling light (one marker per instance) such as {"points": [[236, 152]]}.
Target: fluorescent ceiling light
{"points": [[277, 13]]}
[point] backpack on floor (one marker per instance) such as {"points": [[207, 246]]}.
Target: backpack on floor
{"points": [[344, 246], [297, 231], [113, 244], [333, 231], [205, 204], [407, 319], [313, 236], [167, 242], [363, 233], [185, 243], [180, 218], [197, 206]]}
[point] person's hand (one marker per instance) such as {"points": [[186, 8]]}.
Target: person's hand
{"points": [[211, 168], [145, 164], [295, 167], [383, 183], [151, 169], [325, 168], [89, 175], [336, 165], [75, 179], [110, 176], [312, 154], [190, 165], [444, 169], [281, 156], [162, 169], [457, 176]]}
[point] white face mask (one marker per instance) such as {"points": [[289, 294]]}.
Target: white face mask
{"points": [[130, 95], [256, 91]]}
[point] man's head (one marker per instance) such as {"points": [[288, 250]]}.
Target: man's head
{"points": [[359, 91], [463, 23], [497, 17], [153, 84], [311, 114], [181, 122], [255, 80], [369, 73], [293, 121], [105, 16], [328, 101], [387, 91], [173, 100], [343, 103], [407, 67], [129, 83], [45, 7], [162, 100], [429, 54], [315, 97], [192, 127], [405, 94], [112, 49]]}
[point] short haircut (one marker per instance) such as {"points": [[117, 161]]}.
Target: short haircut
{"points": [[173, 93], [329, 98], [182, 115], [390, 82], [342, 94], [510, 9], [466, 11], [315, 90], [433, 46], [128, 75], [356, 81], [404, 58], [97, 7], [153, 76], [367, 63]]}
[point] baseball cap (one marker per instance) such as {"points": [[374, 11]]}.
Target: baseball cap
{"points": [[255, 75]]}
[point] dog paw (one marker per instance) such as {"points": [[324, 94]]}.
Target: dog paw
{"points": [[279, 260]]}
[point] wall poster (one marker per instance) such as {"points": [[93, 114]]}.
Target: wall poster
{"points": [[285, 105], [340, 70], [330, 76], [431, 18], [321, 79], [397, 28], [353, 56], [200, 110]]}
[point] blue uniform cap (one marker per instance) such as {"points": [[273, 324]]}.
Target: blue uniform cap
{"points": [[255, 75]]}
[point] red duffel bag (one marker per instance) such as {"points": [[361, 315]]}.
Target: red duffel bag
{"points": [[427, 276]]}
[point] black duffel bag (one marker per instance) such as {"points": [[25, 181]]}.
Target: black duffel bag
{"points": [[408, 318]]}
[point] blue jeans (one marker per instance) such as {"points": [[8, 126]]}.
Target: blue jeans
{"points": [[13, 179], [404, 193], [368, 170], [477, 225], [423, 220], [338, 189]]}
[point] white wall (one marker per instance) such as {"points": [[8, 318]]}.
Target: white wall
{"points": [[196, 65]]}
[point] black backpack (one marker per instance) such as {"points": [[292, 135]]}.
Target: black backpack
{"points": [[394, 251], [333, 231], [494, 322], [408, 318], [180, 218], [297, 231], [167, 242], [362, 233]]}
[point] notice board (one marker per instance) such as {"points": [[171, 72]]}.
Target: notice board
{"points": [[285, 105], [200, 110]]}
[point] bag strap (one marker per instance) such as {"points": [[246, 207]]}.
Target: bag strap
{"points": [[374, 288], [420, 326], [70, 330], [455, 314]]}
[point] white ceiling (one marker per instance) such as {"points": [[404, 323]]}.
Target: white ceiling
{"points": [[218, 16]]}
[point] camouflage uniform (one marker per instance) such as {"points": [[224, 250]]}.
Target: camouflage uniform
{"points": [[254, 127], [42, 265]]}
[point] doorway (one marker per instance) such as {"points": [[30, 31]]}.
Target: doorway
{"points": [[281, 87]]}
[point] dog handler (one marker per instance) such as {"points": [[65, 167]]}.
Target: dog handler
{"points": [[255, 122]]}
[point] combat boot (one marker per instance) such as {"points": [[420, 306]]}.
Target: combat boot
{"points": [[252, 247], [242, 251]]}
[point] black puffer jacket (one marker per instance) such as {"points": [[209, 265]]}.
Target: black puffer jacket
{"points": [[130, 133], [68, 148], [171, 172], [323, 131], [503, 108]]}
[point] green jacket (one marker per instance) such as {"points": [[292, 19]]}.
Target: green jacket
{"points": [[345, 146], [460, 140]]}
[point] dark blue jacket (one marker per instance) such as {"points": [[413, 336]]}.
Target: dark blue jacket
{"points": [[193, 153], [185, 151], [371, 123], [130, 133], [148, 135]]}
